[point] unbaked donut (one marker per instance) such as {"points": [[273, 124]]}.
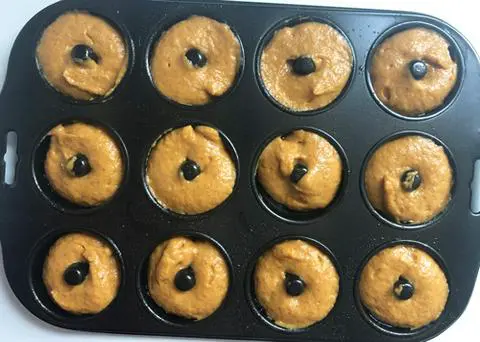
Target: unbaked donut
{"points": [[301, 170], [188, 278], [190, 171], [409, 179], [306, 66], [403, 286], [195, 60], [83, 164], [413, 72], [81, 274], [296, 284], [82, 56]]}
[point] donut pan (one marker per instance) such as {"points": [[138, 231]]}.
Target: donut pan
{"points": [[247, 223]]}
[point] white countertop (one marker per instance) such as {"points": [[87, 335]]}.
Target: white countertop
{"points": [[17, 324]]}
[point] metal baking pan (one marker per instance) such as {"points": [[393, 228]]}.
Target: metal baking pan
{"points": [[33, 217]]}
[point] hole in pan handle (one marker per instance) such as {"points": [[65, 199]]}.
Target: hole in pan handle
{"points": [[475, 187], [10, 158]]}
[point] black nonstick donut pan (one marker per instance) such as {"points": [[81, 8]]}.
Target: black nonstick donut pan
{"points": [[248, 222]]}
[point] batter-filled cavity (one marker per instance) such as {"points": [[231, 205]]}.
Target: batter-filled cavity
{"points": [[414, 71], [190, 171], [81, 274], [296, 284], [409, 179], [404, 287], [195, 61], [188, 278], [306, 66], [82, 55], [83, 164], [300, 170]]}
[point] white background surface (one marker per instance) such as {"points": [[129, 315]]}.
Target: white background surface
{"points": [[17, 324]]}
